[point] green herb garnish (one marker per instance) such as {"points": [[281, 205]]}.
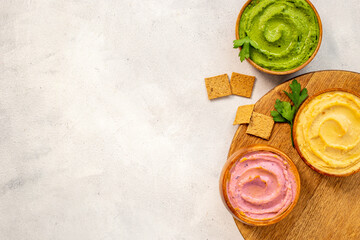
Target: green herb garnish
{"points": [[285, 112], [245, 43]]}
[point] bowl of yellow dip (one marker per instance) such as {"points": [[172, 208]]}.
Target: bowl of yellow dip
{"points": [[327, 132], [287, 33], [259, 185]]}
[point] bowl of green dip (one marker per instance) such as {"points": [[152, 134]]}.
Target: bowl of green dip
{"points": [[287, 34]]}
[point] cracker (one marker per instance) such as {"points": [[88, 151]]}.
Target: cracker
{"points": [[242, 85], [243, 114], [260, 125], [218, 86]]}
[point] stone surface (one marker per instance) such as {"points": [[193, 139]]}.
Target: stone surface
{"points": [[106, 129]]}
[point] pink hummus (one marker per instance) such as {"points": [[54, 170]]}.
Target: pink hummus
{"points": [[261, 185]]}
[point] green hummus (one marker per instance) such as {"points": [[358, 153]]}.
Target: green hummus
{"points": [[287, 32]]}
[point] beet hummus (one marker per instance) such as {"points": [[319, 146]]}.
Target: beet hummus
{"points": [[261, 185]]}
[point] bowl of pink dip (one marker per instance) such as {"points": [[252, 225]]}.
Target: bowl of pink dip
{"points": [[259, 185]]}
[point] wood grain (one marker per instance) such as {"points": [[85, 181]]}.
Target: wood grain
{"points": [[328, 207]]}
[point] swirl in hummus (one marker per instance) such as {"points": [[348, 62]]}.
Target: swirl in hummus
{"points": [[327, 132], [261, 185]]}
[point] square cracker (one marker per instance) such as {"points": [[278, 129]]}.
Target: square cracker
{"points": [[242, 85], [243, 114], [260, 125], [218, 86]]}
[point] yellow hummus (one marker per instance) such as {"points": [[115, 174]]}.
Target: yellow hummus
{"points": [[328, 132]]}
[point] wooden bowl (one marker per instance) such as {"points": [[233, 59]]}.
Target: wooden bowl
{"points": [[296, 142], [225, 174], [281, 72]]}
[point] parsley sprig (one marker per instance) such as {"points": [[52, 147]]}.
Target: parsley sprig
{"points": [[245, 43], [285, 112]]}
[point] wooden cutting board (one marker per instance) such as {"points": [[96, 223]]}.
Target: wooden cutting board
{"points": [[328, 207]]}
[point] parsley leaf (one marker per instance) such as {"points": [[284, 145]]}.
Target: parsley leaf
{"points": [[297, 96], [238, 43], [285, 109], [245, 43], [303, 96], [285, 112], [277, 117], [245, 51], [254, 44]]}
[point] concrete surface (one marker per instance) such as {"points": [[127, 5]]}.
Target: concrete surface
{"points": [[106, 131]]}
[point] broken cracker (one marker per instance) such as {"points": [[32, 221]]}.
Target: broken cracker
{"points": [[242, 85], [260, 125], [243, 114], [218, 86]]}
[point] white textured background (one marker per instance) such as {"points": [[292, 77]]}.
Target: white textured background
{"points": [[106, 131]]}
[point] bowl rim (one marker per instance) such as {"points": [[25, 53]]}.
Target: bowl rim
{"points": [[292, 70], [295, 129], [225, 174]]}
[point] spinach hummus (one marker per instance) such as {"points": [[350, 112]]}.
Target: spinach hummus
{"points": [[286, 31]]}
